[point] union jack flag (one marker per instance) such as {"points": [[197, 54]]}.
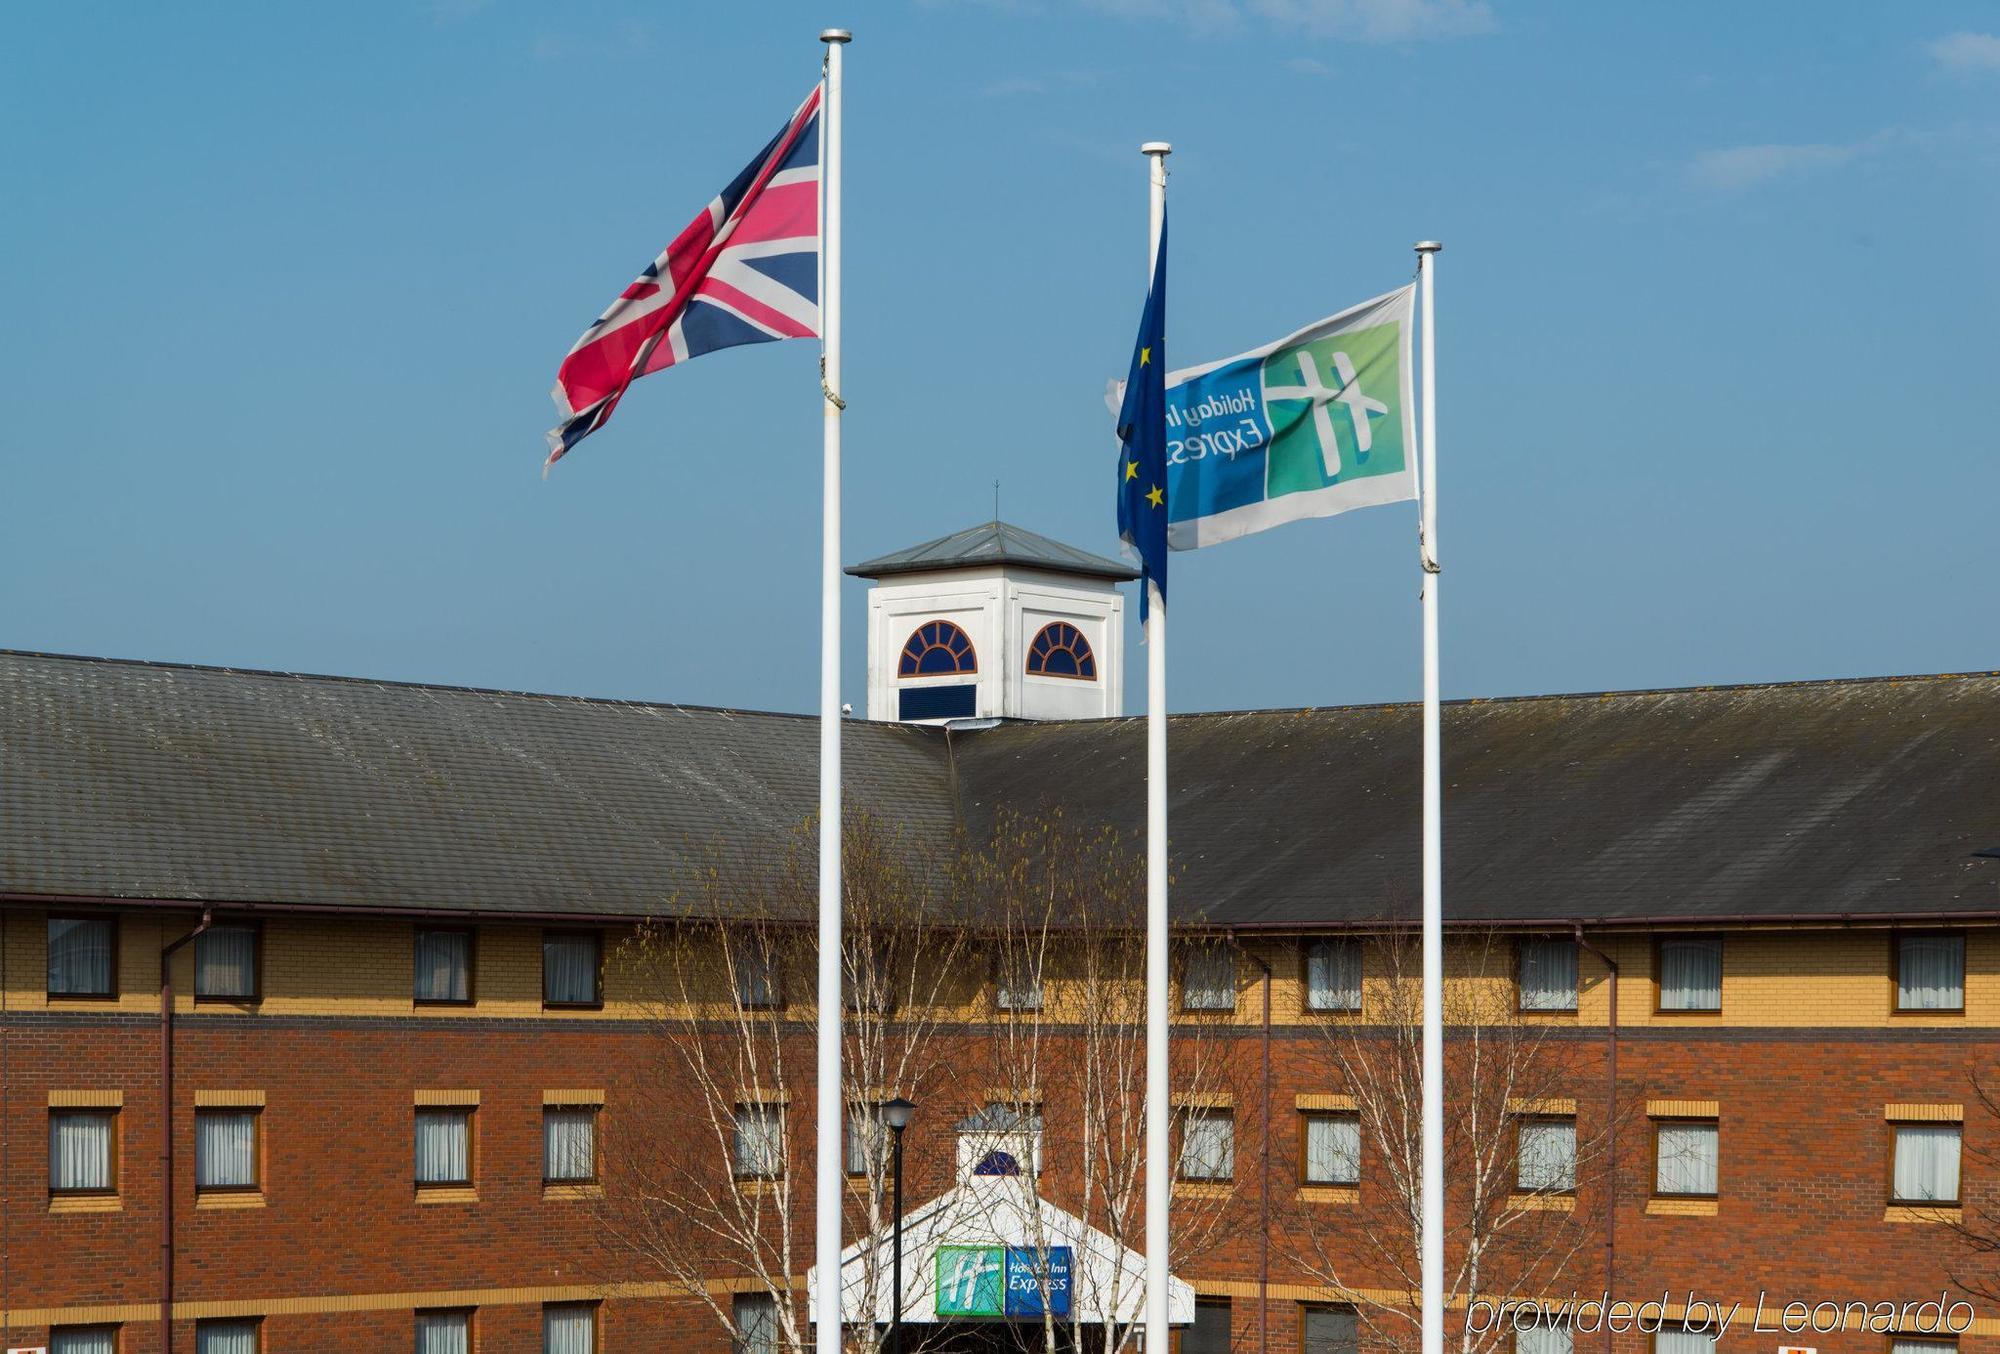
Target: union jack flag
{"points": [[746, 270]]}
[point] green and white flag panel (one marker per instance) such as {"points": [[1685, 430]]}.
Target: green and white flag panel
{"points": [[1315, 424]]}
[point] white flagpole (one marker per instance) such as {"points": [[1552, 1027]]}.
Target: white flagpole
{"points": [[827, 1167], [1159, 1170], [1432, 1255]]}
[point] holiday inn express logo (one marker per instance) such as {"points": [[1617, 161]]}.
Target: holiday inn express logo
{"points": [[1000, 1281]]}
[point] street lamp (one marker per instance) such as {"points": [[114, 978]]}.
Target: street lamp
{"points": [[897, 1114]]}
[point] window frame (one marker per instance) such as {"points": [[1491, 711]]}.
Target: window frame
{"points": [[596, 937], [1333, 1307], [255, 927], [1088, 652], [596, 1176], [774, 976], [256, 1323], [1678, 1120], [1895, 1126], [1188, 1114], [1575, 1006], [1305, 978], [1521, 1121], [1306, 1118], [114, 1151], [468, 1113], [110, 918], [1660, 942], [1943, 1343], [1653, 1340], [471, 1315], [596, 1323], [776, 1109], [1227, 950], [256, 1185], [999, 979], [1897, 935], [857, 1109], [1515, 1333], [115, 1328], [971, 652], [471, 934]]}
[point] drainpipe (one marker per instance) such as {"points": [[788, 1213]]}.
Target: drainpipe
{"points": [[1610, 1130], [1264, 1178], [167, 1133]]}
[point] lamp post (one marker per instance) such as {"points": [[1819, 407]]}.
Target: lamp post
{"points": [[896, 1114]]}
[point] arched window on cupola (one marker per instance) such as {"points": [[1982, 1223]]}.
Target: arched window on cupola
{"points": [[1060, 650], [937, 649]]}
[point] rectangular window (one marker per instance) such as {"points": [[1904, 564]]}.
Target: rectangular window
{"points": [[226, 1337], [441, 966], [444, 1147], [444, 1332], [1208, 980], [1333, 975], [756, 973], [225, 1149], [569, 1145], [1332, 1149], [1208, 1145], [1548, 975], [83, 1340], [1930, 973], [569, 1328], [83, 957], [1909, 1344], [758, 1152], [225, 963], [1926, 1164], [572, 972], [1210, 1332], [1672, 1340], [1545, 1157], [1327, 1330], [1018, 984], [1684, 1158], [1690, 973], [865, 1131], [755, 1316], [83, 1151], [1544, 1337]]}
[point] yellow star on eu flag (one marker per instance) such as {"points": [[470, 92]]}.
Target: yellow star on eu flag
{"points": [[1131, 470], [1145, 356], [1156, 498]]}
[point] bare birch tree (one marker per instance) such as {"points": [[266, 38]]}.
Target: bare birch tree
{"points": [[1520, 1212]]}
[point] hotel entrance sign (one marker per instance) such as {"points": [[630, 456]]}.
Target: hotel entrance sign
{"points": [[1002, 1281]]}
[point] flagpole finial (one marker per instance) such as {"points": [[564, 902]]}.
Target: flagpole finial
{"points": [[835, 35], [1428, 246], [1157, 148]]}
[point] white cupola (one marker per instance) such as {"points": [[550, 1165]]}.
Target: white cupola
{"points": [[994, 622]]}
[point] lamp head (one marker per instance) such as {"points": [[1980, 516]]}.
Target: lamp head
{"points": [[897, 1114]]}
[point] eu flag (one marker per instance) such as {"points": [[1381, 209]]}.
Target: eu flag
{"points": [[1142, 433]]}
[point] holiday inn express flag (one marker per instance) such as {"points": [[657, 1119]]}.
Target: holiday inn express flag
{"points": [[746, 270], [1315, 424]]}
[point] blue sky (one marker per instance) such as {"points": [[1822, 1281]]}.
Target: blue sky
{"points": [[287, 286]]}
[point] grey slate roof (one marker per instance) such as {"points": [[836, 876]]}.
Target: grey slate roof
{"points": [[992, 543], [157, 782]]}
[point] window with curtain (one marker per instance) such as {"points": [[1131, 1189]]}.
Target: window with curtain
{"points": [[1930, 973], [759, 1147], [81, 951], [1208, 979], [1210, 1332], [444, 1333], [1548, 975], [441, 962], [225, 1337], [756, 974], [569, 1144], [865, 1132], [1208, 1145], [80, 1151], [1926, 1165], [1674, 1340], [225, 963], [225, 1149], [570, 968], [569, 1328], [1332, 1149], [1327, 1330], [1906, 1344], [1684, 1156], [1545, 1156], [83, 1340], [1544, 1337], [1691, 973], [444, 1147], [1333, 975], [756, 1319], [1019, 984]]}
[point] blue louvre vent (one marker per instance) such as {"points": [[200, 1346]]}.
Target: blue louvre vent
{"points": [[938, 702]]}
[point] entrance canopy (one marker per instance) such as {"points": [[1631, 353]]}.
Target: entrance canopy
{"points": [[988, 1250]]}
